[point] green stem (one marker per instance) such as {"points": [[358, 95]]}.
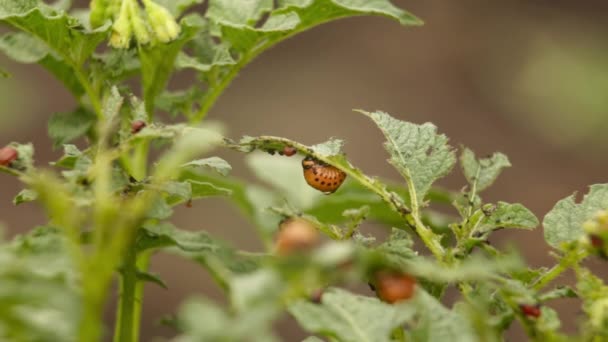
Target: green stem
{"points": [[131, 296], [90, 328], [140, 161], [565, 263], [217, 89], [91, 93]]}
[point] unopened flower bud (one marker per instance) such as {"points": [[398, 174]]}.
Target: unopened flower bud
{"points": [[162, 22]]}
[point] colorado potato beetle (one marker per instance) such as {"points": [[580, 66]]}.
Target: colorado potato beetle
{"points": [[322, 176], [393, 287], [137, 126], [8, 155], [289, 151], [530, 310], [296, 235]]}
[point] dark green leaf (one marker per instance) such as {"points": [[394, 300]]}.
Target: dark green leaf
{"points": [[157, 64], [503, 215], [61, 32], [152, 278], [65, 127]]}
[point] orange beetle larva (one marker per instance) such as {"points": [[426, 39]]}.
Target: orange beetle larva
{"points": [[322, 176]]}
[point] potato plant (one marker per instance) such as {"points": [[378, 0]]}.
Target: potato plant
{"points": [[110, 202]]}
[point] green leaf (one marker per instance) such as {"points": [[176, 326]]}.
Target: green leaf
{"points": [[222, 261], [399, 247], [159, 209], [202, 320], [157, 65], [206, 189], [166, 235], [436, 323], [152, 278], [236, 13], [594, 293], [258, 288], [329, 153], [39, 300], [502, 215], [312, 339], [483, 172], [285, 175], [61, 32], [66, 127], [25, 195], [216, 164], [71, 155], [181, 190], [25, 159], [314, 9], [557, 293], [350, 318], [23, 48], [420, 154], [564, 222], [178, 7], [179, 102]]}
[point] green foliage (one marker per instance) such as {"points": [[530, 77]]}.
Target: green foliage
{"points": [[109, 202], [352, 318], [564, 223]]}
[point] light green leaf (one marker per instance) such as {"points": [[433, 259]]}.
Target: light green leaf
{"points": [[216, 164], [25, 159], [190, 143], [327, 155], [182, 190], [557, 293], [159, 209], [206, 189], [66, 127], [285, 175], [564, 222], [398, 248], [237, 13], [437, 323], [312, 339], [25, 195], [483, 172], [351, 318], [503, 215], [23, 48], [258, 288], [420, 154], [70, 157], [178, 7], [202, 320], [39, 297], [314, 9]]}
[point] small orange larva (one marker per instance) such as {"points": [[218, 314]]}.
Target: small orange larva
{"points": [[322, 176]]}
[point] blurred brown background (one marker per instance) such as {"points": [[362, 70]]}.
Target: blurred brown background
{"points": [[527, 78]]}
